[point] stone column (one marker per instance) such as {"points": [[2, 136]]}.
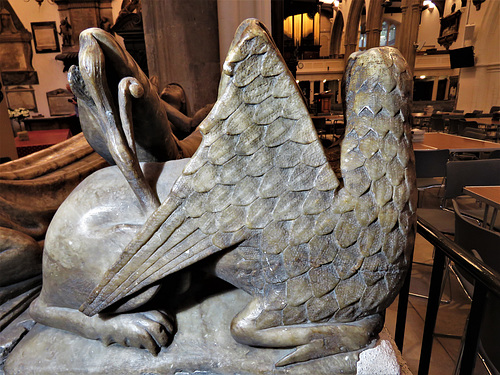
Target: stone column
{"points": [[277, 19], [411, 10], [232, 13], [182, 46], [351, 29], [374, 23]]}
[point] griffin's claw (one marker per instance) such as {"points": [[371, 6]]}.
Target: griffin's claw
{"points": [[303, 353]]}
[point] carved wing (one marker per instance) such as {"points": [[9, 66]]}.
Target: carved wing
{"points": [[258, 141], [261, 172]]}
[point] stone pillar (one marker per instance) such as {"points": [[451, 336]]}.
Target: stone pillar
{"points": [[411, 10], [350, 47], [232, 13], [351, 29], [277, 27], [372, 37], [435, 88], [182, 46], [374, 23]]}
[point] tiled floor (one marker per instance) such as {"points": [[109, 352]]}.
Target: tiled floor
{"points": [[451, 317]]}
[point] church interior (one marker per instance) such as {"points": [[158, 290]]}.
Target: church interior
{"points": [[452, 48]]}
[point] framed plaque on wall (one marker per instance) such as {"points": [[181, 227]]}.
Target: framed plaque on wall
{"points": [[21, 97], [60, 102], [45, 37]]}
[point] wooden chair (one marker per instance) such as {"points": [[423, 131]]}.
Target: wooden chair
{"points": [[494, 154], [470, 236], [320, 125], [456, 125]]}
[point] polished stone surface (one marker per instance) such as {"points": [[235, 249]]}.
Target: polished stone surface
{"points": [[257, 206], [202, 345]]}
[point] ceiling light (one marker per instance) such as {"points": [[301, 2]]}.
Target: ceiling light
{"points": [[429, 4], [334, 2]]}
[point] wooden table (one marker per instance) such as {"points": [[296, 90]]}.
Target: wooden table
{"points": [[423, 115], [454, 143], [333, 121], [490, 196], [420, 117], [40, 139], [488, 124]]}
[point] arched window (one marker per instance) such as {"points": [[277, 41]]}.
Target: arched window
{"points": [[362, 30], [392, 35], [362, 41], [383, 33], [388, 34]]}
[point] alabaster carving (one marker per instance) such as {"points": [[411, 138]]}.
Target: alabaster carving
{"points": [[257, 206], [114, 93], [33, 187]]}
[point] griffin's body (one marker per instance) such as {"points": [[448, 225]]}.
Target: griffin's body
{"points": [[321, 262]]}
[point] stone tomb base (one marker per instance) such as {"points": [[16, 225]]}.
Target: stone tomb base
{"points": [[203, 345]]}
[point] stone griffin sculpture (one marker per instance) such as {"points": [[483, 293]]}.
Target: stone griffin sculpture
{"points": [[258, 201]]}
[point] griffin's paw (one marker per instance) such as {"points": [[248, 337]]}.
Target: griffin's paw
{"points": [[149, 330]]}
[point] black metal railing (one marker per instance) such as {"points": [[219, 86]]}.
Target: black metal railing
{"points": [[486, 280]]}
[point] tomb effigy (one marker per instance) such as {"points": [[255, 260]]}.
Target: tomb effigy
{"points": [[135, 255], [31, 190]]}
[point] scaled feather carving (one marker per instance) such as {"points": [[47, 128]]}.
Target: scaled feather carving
{"points": [[321, 259], [261, 171]]}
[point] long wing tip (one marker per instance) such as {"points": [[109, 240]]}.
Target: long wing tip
{"points": [[100, 298], [89, 306]]}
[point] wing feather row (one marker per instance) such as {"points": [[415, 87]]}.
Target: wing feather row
{"points": [[242, 139]]}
